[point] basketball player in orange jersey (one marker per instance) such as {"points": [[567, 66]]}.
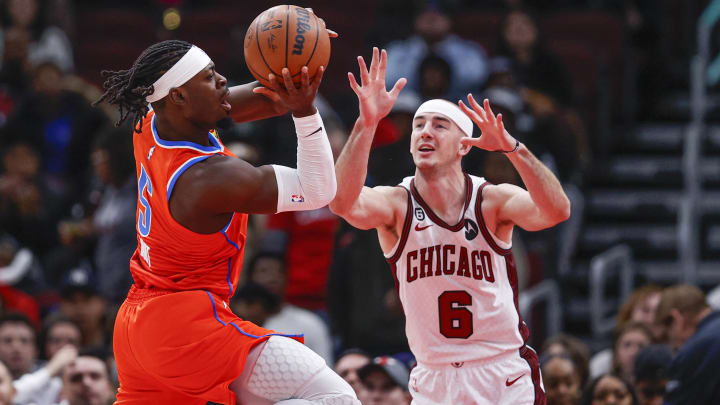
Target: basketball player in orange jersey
{"points": [[447, 237], [176, 340]]}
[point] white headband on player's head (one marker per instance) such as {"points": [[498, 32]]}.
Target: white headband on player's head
{"points": [[183, 70], [449, 110]]}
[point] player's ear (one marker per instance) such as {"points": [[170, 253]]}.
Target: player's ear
{"points": [[464, 149], [177, 96]]}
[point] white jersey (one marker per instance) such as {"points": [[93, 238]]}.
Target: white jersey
{"points": [[457, 283]]}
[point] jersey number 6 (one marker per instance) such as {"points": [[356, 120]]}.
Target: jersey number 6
{"points": [[456, 321]]}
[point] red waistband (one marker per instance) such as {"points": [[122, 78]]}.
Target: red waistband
{"points": [[140, 294]]}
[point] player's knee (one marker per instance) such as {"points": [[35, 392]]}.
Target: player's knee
{"points": [[328, 388], [288, 369]]}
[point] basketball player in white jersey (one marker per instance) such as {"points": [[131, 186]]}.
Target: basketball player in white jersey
{"points": [[447, 236]]}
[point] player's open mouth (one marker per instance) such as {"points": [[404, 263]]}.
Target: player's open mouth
{"points": [[224, 103], [426, 148]]}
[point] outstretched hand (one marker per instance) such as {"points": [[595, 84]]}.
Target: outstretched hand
{"points": [[493, 136], [375, 101], [299, 101]]}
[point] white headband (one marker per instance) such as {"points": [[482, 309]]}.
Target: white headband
{"points": [[183, 70], [449, 110]]}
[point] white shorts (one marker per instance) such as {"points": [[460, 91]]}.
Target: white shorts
{"points": [[511, 379]]}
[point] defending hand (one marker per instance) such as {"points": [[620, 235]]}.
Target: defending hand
{"points": [[375, 101], [493, 136]]}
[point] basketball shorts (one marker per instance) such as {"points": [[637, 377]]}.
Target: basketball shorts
{"points": [[509, 379], [180, 348]]}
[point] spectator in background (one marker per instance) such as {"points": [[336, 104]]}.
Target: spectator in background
{"points": [[61, 124], [306, 240], [467, 60], [609, 389], [25, 39], [347, 365], [639, 307], [61, 340], [650, 374], [569, 346], [546, 86], [87, 381], [7, 390], [632, 338], [269, 271], [113, 222], [561, 378], [43, 386], [254, 303], [364, 308], [29, 209], [18, 344], [58, 332], [18, 267], [692, 329], [435, 78], [385, 382], [81, 302]]}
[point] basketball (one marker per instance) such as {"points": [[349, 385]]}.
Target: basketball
{"points": [[286, 36]]}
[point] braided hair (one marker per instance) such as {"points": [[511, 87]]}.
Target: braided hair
{"points": [[128, 88]]}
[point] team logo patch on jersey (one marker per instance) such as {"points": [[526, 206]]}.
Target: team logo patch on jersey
{"points": [[471, 229], [297, 198], [419, 214]]}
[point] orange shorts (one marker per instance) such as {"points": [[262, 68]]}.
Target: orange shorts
{"points": [[180, 347]]}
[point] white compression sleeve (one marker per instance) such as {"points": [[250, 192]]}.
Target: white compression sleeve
{"points": [[312, 185]]}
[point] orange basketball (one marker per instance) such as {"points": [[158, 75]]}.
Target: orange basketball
{"points": [[286, 36]]}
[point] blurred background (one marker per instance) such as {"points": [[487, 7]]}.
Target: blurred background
{"points": [[617, 97]]}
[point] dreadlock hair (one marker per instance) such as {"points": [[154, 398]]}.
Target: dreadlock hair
{"points": [[128, 88]]}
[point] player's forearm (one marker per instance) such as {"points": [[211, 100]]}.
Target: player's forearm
{"points": [[544, 188], [351, 166], [248, 106], [312, 185]]}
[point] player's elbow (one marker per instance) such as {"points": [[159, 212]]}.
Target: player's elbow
{"points": [[340, 206], [562, 211]]}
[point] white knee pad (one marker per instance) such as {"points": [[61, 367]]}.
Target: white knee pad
{"points": [[287, 369]]}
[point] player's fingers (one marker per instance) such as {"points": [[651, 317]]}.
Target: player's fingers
{"points": [[383, 65], [274, 82], [397, 88], [374, 64], [489, 111], [500, 124], [264, 91], [364, 75], [332, 34], [476, 107], [287, 80], [304, 78], [470, 113], [468, 141], [353, 83]]}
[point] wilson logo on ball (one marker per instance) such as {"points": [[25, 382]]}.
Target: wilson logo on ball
{"points": [[303, 25]]}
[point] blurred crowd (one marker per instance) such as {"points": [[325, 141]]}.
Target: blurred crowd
{"points": [[68, 204]]}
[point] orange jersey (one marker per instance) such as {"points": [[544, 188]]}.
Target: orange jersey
{"points": [[170, 256]]}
